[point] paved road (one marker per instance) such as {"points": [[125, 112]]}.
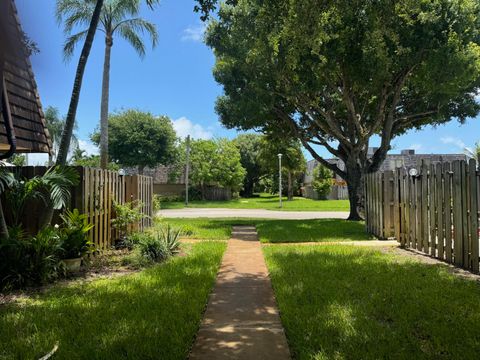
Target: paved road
{"points": [[251, 213]]}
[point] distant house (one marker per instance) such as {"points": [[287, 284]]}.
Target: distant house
{"points": [[22, 123], [407, 158]]}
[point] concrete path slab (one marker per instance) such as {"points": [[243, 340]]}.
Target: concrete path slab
{"points": [[251, 213], [242, 319]]}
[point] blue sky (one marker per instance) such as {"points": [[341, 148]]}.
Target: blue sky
{"points": [[174, 79]]}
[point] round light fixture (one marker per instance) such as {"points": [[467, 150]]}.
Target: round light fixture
{"points": [[413, 172]]}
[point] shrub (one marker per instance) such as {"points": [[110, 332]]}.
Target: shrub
{"points": [[129, 241], [26, 260], [127, 215], [322, 181], [74, 234], [160, 245], [156, 202]]}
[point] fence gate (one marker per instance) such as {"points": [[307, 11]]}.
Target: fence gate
{"points": [[435, 211]]}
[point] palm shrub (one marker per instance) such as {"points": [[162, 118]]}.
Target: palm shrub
{"points": [[74, 234], [27, 260]]}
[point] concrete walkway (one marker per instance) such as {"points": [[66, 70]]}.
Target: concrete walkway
{"points": [[251, 213], [242, 319]]}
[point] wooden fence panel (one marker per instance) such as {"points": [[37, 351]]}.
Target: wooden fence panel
{"points": [[436, 211]]}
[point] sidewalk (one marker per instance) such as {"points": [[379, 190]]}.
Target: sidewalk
{"points": [[242, 319]]}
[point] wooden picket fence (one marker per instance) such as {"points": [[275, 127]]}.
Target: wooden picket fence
{"points": [[435, 212], [95, 195]]}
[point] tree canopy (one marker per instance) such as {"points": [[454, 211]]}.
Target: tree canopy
{"points": [[138, 138], [249, 146], [216, 162], [336, 73]]}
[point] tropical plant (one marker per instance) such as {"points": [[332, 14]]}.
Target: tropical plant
{"points": [[53, 189], [322, 181], [6, 181], [159, 246], [74, 232], [118, 17], [26, 260], [334, 74], [55, 125], [18, 160]]}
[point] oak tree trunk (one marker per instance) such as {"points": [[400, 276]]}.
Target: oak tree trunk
{"points": [[355, 178], [104, 103], [77, 86]]}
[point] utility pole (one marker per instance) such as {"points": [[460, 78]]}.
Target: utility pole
{"points": [[280, 178], [187, 169]]}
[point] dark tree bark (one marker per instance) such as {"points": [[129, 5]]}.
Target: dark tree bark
{"points": [[104, 103], [77, 86]]}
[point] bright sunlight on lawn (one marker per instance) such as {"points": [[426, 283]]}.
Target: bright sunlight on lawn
{"points": [[275, 231], [153, 314], [268, 202], [340, 302]]}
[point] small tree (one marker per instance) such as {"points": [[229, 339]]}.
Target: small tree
{"points": [[216, 162], [138, 138], [322, 181]]}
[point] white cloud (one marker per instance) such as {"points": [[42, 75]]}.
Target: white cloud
{"points": [[453, 141], [194, 33], [88, 147], [184, 127], [416, 147]]}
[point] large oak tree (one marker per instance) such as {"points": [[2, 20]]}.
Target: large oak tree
{"points": [[334, 73]]}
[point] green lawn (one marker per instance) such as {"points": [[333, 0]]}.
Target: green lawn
{"points": [[268, 202], [340, 302], [275, 231], [153, 314]]}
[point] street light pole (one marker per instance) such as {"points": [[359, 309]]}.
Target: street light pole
{"points": [[280, 178]]}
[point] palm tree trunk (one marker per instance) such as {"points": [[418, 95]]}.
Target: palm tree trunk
{"points": [[104, 105], [77, 86]]}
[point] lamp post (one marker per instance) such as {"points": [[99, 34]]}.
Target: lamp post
{"points": [[187, 169], [280, 178]]}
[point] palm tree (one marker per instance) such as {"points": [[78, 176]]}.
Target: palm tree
{"points": [[117, 17], [55, 127]]}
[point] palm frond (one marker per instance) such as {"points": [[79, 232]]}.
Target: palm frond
{"points": [[131, 36], [59, 181], [142, 26], [69, 46], [6, 179], [74, 13]]}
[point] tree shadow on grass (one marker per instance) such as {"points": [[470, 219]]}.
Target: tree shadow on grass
{"points": [[320, 230], [150, 315], [349, 303]]}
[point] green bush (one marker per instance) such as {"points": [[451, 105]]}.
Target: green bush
{"points": [[322, 181], [129, 241], [74, 234], [27, 260], [160, 245]]}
